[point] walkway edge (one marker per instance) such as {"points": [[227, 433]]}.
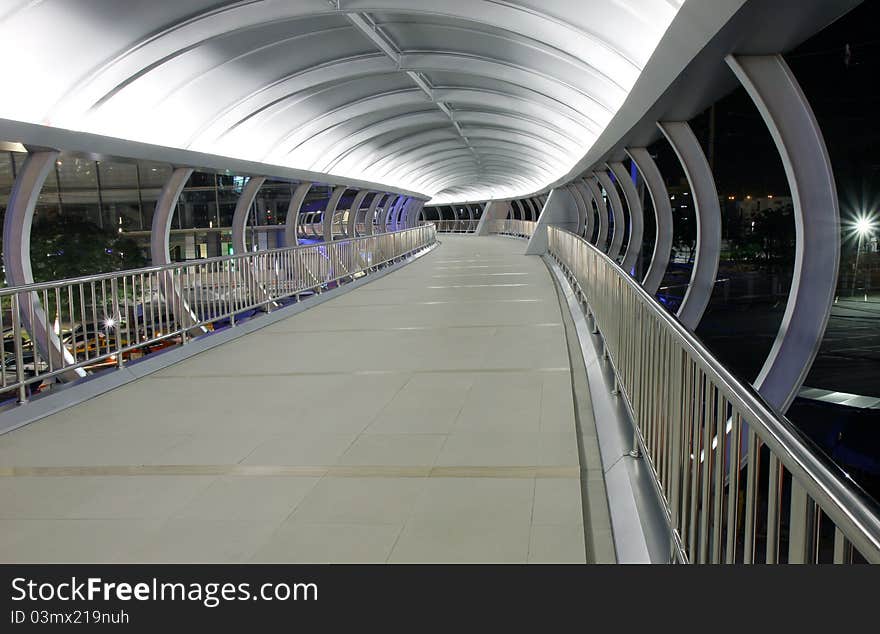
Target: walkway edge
{"points": [[639, 528], [69, 395]]}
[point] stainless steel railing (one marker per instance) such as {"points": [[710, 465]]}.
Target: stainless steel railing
{"points": [[512, 227], [454, 226], [741, 484], [109, 319]]}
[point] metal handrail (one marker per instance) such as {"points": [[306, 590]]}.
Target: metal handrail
{"points": [[703, 430], [111, 318], [454, 226], [513, 227]]}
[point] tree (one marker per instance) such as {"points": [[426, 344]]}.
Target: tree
{"points": [[66, 246]]}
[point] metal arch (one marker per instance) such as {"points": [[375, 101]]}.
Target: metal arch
{"points": [[503, 133], [508, 18], [401, 211], [587, 196], [461, 156], [537, 144], [474, 177], [345, 137], [520, 208], [562, 114], [348, 139], [531, 78], [581, 206], [387, 209], [515, 121], [240, 216], [397, 146], [662, 214], [291, 223], [330, 210], [636, 217], [453, 172], [354, 211], [428, 159], [164, 213], [337, 70], [593, 187], [792, 124], [160, 234], [532, 210], [470, 211], [415, 213], [370, 216], [415, 153], [363, 105], [705, 198], [17, 259], [619, 229]]}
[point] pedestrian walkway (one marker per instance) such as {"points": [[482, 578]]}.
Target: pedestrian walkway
{"points": [[424, 417]]}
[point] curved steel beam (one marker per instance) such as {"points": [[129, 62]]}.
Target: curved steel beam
{"points": [[636, 217], [240, 216], [370, 216], [291, 223], [705, 197], [387, 209], [587, 196], [792, 124], [662, 214], [17, 261], [354, 211], [593, 187], [160, 237], [392, 145], [619, 229], [581, 205], [164, 213], [586, 104], [535, 104], [330, 210]]}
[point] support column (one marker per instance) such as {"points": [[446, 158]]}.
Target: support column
{"points": [[331, 210], [412, 217], [494, 210], [593, 187], [164, 214], [535, 212], [792, 124], [581, 205], [636, 217], [391, 212], [351, 226], [590, 221], [17, 259], [619, 230], [159, 240], [291, 223], [370, 216], [401, 214], [387, 207], [240, 216], [662, 213], [705, 197], [560, 211]]}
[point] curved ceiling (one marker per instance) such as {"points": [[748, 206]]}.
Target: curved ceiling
{"points": [[460, 99]]}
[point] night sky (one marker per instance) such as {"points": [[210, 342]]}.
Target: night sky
{"points": [[844, 91]]}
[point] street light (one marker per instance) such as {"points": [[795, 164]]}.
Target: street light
{"points": [[863, 227]]}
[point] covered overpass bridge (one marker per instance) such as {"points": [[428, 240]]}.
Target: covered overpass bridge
{"points": [[384, 381]]}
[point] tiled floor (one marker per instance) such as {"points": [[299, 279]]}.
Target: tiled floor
{"points": [[434, 405]]}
